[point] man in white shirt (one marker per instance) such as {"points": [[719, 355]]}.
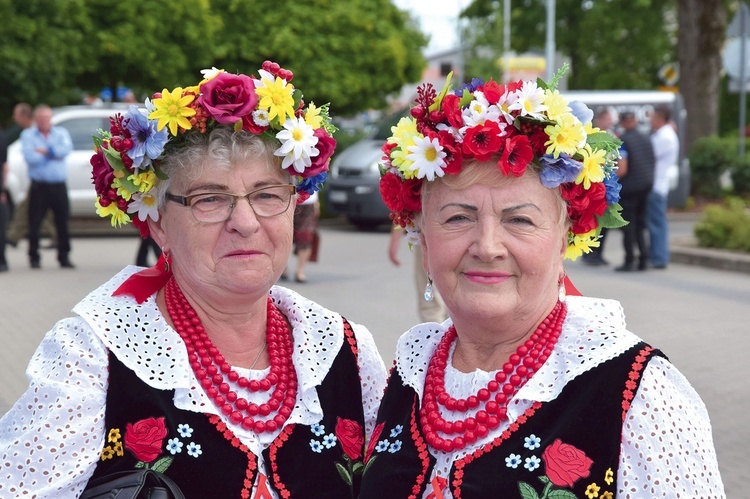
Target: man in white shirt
{"points": [[666, 149]]}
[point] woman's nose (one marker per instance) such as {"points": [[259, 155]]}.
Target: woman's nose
{"points": [[489, 240], [243, 217]]}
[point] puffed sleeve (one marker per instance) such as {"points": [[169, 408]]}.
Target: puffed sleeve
{"points": [[51, 440], [372, 374], [667, 449]]}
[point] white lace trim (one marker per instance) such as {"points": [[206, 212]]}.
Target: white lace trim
{"points": [[68, 382], [594, 332]]}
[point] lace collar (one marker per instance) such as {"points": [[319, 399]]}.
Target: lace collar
{"points": [[594, 331]]}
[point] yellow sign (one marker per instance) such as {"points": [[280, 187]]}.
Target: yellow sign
{"points": [[523, 68]]}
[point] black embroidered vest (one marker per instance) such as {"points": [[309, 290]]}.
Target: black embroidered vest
{"points": [[204, 457], [570, 444]]}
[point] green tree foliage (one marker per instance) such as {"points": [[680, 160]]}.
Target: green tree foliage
{"points": [[351, 53], [615, 44], [39, 53], [146, 44]]}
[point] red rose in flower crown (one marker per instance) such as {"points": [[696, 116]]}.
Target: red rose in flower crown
{"points": [[351, 436], [565, 464], [515, 126], [125, 165], [228, 97], [145, 438]]}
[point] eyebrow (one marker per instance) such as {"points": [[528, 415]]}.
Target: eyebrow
{"points": [[471, 207], [212, 187]]}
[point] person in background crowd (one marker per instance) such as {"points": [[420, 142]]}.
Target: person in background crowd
{"points": [[18, 227], [666, 146], [45, 148], [306, 236], [200, 367], [604, 121], [430, 306], [524, 392], [636, 172], [3, 201]]}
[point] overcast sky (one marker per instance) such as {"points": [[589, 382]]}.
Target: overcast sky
{"points": [[437, 18]]}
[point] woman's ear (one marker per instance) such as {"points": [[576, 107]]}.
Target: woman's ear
{"points": [[156, 230]]}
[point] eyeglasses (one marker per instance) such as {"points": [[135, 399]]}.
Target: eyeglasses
{"points": [[211, 207]]}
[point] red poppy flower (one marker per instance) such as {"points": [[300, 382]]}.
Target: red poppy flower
{"points": [[411, 194], [452, 110], [390, 191], [482, 141], [454, 157], [492, 91], [517, 155]]}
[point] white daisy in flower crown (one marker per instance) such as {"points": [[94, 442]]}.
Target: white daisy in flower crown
{"points": [[519, 125], [125, 165]]}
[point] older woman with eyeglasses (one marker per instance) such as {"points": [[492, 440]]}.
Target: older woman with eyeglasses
{"points": [[200, 368]]}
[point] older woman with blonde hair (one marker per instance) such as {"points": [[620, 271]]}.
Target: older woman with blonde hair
{"points": [[200, 373], [524, 392]]}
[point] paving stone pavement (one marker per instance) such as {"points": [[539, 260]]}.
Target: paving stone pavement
{"points": [[698, 316]]}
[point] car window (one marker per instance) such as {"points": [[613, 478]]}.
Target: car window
{"points": [[81, 130]]}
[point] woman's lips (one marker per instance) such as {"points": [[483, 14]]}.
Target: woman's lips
{"points": [[487, 277]]}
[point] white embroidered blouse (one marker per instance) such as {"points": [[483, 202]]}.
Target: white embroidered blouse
{"points": [[666, 450], [52, 438]]}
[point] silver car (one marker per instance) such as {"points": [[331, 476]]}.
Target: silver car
{"points": [[353, 189], [82, 122]]}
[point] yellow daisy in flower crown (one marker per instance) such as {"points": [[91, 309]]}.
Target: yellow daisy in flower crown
{"points": [[566, 136], [593, 166], [277, 96], [404, 136], [172, 109]]}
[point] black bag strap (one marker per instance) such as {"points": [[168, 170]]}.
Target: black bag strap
{"points": [[135, 484]]}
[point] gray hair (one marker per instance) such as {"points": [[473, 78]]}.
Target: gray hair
{"points": [[220, 149]]}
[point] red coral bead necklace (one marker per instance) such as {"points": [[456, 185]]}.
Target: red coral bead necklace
{"points": [[210, 367], [529, 358]]}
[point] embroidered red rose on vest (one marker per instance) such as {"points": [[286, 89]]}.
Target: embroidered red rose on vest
{"points": [[145, 438], [351, 436], [565, 464]]}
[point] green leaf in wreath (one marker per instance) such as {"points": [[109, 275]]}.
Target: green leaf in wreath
{"points": [[344, 474], [527, 491], [161, 465]]}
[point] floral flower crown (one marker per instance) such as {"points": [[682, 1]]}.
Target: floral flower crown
{"points": [[525, 124], [127, 157]]}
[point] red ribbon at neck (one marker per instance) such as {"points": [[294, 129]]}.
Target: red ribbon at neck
{"points": [[143, 284], [570, 290]]}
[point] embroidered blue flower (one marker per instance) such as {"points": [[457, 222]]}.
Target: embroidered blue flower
{"points": [[317, 429], [382, 445], [513, 461], [174, 446], [396, 431], [395, 446], [532, 442], [184, 430], [194, 450], [532, 463], [329, 440], [316, 446]]}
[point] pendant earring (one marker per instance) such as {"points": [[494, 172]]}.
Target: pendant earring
{"points": [[167, 259], [561, 294], [429, 294]]}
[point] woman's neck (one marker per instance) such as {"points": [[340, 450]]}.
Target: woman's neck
{"points": [[488, 346], [238, 332]]}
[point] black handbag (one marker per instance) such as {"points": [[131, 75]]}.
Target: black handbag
{"points": [[136, 484]]}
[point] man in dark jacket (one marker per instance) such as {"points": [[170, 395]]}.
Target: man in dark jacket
{"points": [[636, 172]]}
